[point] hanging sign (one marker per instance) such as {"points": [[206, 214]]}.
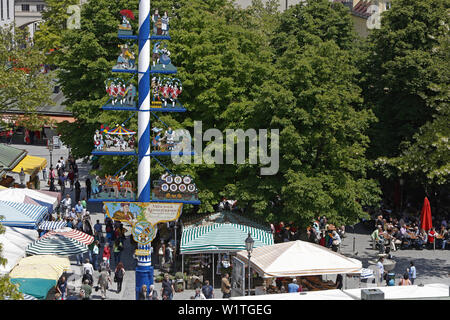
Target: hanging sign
{"points": [[143, 216]]}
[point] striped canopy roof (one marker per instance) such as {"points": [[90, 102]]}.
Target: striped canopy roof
{"points": [[22, 215], [52, 225], [56, 245], [221, 237], [72, 234]]}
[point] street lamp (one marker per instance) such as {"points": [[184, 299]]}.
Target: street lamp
{"points": [[249, 246], [50, 149], [22, 178]]}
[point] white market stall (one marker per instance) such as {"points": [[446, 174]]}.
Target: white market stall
{"points": [[14, 242], [311, 295], [298, 258], [20, 195]]}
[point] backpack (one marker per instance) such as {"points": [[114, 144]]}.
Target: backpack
{"points": [[118, 275]]}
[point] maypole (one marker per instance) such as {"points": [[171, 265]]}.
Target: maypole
{"points": [[144, 270]]}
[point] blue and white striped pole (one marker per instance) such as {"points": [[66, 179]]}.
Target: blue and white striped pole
{"points": [[143, 193], [144, 270]]}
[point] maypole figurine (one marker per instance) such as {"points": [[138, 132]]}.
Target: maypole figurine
{"points": [[126, 59], [125, 28], [121, 95], [157, 23], [165, 24], [161, 59]]}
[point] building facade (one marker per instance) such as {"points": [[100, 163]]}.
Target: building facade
{"points": [[6, 12], [28, 14]]}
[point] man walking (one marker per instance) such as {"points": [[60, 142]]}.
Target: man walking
{"points": [[208, 290], [77, 190], [103, 282], [88, 188], [226, 286]]}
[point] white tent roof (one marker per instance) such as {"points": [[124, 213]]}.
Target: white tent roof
{"points": [[428, 291], [18, 195], [14, 242], [435, 290], [334, 294], [298, 258]]}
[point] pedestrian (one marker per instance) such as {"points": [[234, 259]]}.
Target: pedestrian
{"points": [[119, 273], [95, 252], [88, 276], [77, 191], [411, 272], [293, 286], [98, 231], [87, 266], [339, 281], [79, 259], [380, 268], [117, 249], [66, 204], [167, 288], [107, 252], [105, 265], [161, 253], [143, 294], [226, 286], [88, 188], [61, 287], [199, 295], [44, 174], [103, 282], [71, 178], [109, 230], [87, 288], [405, 280], [84, 203], [153, 294], [78, 207], [208, 290]]}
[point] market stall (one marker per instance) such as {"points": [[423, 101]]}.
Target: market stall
{"points": [[14, 242], [203, 242], [303, 260], [22, 215], [20, 195]]}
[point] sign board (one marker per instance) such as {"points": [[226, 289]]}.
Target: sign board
{"points": [[238, 278], [56, 142], [143, 216]]}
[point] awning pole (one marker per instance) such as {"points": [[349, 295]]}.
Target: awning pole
{"points": [[182, 263], [213, 270]]}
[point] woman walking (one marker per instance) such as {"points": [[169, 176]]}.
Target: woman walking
{"points": [[118, 276]]}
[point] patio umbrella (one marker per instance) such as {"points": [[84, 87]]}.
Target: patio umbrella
{"points": [[425, 215], [34, 271], [35, 287], [72, 234], [60, 264], [56, 245], [127, 13]]}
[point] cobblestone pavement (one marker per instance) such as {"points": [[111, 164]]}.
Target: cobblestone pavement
{"points": [[432, 266]]}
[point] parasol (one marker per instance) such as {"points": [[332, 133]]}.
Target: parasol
{"points": [[425, 216], [34, 271], [71, 234], [127, 13], [60, 264], [56, 245]]}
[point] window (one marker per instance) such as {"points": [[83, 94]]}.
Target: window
{"points": [[25, 7], [40, 7], [1, 8], [7, 9], [388, 5]]}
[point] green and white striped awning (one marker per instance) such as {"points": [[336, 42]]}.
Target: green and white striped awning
{"points": [[221, 237], [56, 244]]}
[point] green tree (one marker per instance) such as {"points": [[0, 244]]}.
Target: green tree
{"points": [[22, 84], [399, 71]]}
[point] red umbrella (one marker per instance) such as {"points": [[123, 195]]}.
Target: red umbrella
{"points": [[425, 215], [127, 13]]}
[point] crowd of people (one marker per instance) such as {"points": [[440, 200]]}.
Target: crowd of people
{"points": [[391, 234]]}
